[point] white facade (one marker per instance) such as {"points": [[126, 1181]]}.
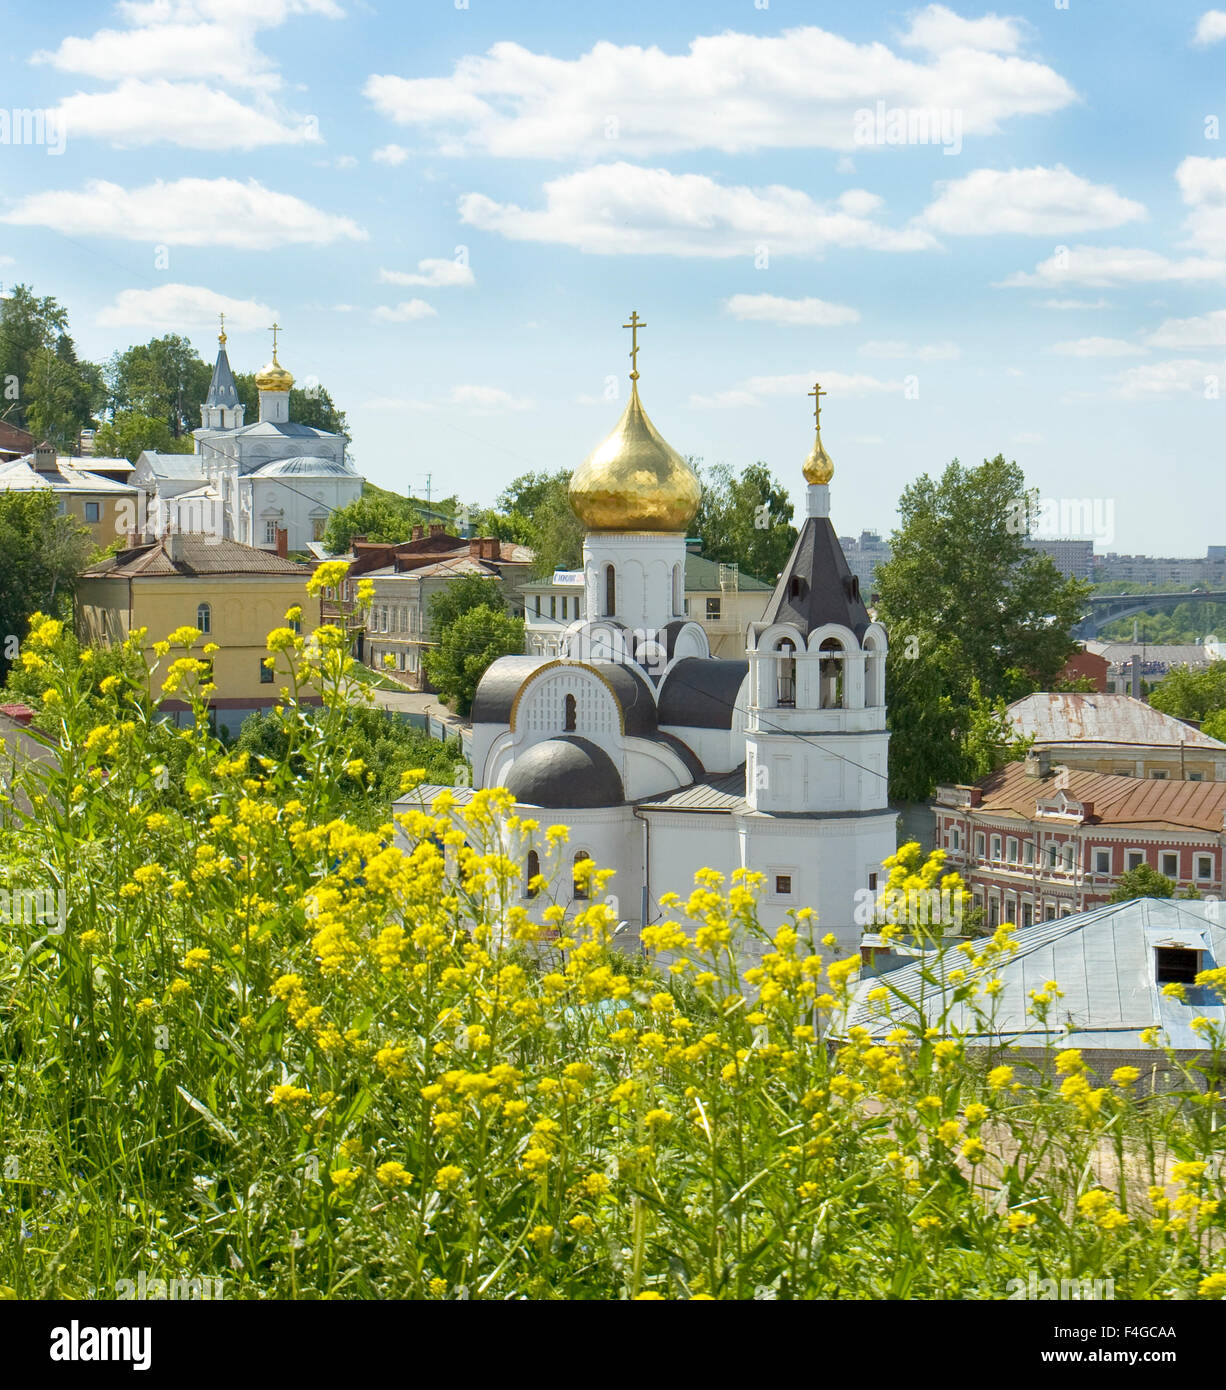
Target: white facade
{"points": [[662, 759]]}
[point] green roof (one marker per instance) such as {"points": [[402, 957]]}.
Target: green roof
{"points": [[703, 574]]}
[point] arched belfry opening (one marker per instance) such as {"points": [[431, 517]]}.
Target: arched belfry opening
{"points": [[830, 674], [787, 674], [610, 591]]}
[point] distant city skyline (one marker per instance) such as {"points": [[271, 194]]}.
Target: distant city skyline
{"points": [[987, 244]]}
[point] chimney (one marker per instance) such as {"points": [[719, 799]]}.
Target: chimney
{"points": [[282, 542], [474, 547], [418, 532], [1136, 676], [174, 547], [437, 528], [1038, 762], [44, 459]]}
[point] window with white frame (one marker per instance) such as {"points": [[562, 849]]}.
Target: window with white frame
{"points": [[996, 849], [979, 844], [955, 838], [1134, 858], [1102, 861], [1204, 866], [1069, 852], [1028, 852], [1011, 850], [1170, 864], [270, 533]]}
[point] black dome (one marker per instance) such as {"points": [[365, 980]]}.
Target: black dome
{"points": [[566, 772]]}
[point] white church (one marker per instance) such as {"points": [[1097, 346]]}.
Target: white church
{"points": [[247, 482], [662, 759]]}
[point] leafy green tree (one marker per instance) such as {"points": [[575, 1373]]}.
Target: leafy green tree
{"points": [[467, 648], [41, 554], [964, 600], [1141, 882], [382, 519], [462, 596], [164, 379], [130, 433], [1215, 725], [44, 387], [746, 520], [991, 739], [1192, 693], [535, 509], [1075, 684]]}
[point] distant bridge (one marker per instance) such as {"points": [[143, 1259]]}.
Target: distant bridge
{"points": [[1107, 608]]}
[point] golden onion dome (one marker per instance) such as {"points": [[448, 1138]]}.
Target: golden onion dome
{"points": [[819, 466], [635, 481], [273, 376]]}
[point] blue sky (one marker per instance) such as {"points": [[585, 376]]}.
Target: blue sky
{"points": [[326, 160]]}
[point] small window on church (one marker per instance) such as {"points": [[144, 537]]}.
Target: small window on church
{"points": [[318, 526], [534, 869], [783, 885], [570, 707], [204, 618], [270, 533], [582, 875], [610, 591]]}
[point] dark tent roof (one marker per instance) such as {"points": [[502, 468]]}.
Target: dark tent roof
{"points": [[222, 390], [816, 586], [566, 773], [700, 692]]}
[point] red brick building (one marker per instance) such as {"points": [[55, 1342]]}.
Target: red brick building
{"points": [[1084, 663], [1035, 842]]}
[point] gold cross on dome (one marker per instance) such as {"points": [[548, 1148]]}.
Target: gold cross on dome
{"points": [[221, 337], [817, 393], [634, 325], [276, 328]]}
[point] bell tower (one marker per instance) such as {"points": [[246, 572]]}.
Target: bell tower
{"points": [[816, 740]]}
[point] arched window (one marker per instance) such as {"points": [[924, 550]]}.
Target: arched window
{"points": [[581, 879], [534, 868], [610, 591], [204, 618], [570, 707], [831, 674], [677, 593], [787, 673]]}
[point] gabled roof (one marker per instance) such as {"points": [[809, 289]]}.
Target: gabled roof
{"points": [[172, 465], [222, 390], [198, 556], [290, 429], [20, 475], [817, 586], [1120, 801], [1061, 716], [1104, 962]]}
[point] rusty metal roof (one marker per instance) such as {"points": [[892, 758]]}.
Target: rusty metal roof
{"points": [[1135, 801], [1054, 716]]}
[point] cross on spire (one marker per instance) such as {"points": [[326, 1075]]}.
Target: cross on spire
{"points": [[634, 325], [817, 393], [221, 337], [276, 328]]}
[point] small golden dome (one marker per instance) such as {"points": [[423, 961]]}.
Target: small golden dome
{"points": [[273, 377], [819, 466], [634, 481]]}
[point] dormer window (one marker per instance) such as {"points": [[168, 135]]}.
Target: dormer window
{"points": [[1176, 965]]}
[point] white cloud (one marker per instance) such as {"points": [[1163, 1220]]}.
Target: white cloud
{"points": [[172, 68], [181, 307], [1028, 437], [185, 212], [938, 29], [390, 154], [1202, 182], [733, 92], [1027, 202], [927, 352], [751, 391], [1076, 304], [1205, 330], [405, 312], [486, 398], [623, 209], [1156, 380], [1105, 267], [1097, 347], [189, 114], [771, 308], [434, 274], [1211, 27], [7, 260]]}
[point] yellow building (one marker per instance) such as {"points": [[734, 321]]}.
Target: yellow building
{"points": [[108, 506], [233, 593]]}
